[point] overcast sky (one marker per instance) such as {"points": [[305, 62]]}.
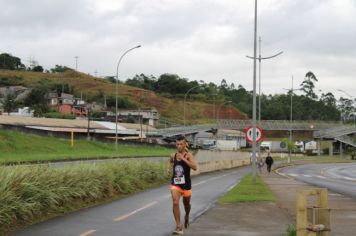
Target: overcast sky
{"points": [[196, 39]]}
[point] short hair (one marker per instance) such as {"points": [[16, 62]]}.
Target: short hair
{"points": [[180, 138]]}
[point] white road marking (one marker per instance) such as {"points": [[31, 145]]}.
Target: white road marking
{"points": [[294, 175], [320, 176], [232, 186], [208, 180], [348, 178], [87, 233], [135, 211], [308, 176]]}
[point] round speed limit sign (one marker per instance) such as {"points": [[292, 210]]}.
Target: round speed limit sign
{"points": [[249, 134]]}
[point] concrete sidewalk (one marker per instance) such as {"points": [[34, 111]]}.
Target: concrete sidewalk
{"points": [[269, 218]]}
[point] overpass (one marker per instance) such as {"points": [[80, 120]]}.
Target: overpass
{"points": [[343, 134], [243, 125]]}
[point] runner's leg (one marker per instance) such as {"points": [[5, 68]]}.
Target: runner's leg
{"points": [[186, 202], [175, 199]]}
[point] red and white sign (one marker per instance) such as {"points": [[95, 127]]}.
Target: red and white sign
{"points": [[249, 134]]}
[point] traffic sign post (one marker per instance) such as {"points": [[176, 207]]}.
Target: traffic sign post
{"points": [[249, 134]]}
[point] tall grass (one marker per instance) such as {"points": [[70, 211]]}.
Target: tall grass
{"points": [[29, 193]]}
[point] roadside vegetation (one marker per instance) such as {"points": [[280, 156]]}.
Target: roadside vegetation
{"points": [[30, 194], [248, 191], [18, 147]]}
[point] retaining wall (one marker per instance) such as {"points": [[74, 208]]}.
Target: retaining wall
{"points": [[219, 160]]}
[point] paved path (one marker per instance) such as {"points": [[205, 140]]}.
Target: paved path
{"points": [[268, 218], [146, 213]]}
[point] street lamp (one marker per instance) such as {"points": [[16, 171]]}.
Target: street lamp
{"points": [[217, 117], [116, 88], [218, 111], [185, 97], [291, 117], [259, 58]]}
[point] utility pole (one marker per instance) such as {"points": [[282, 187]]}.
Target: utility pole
{"points": [[88, 130], [76, 63], [254, 99], [260, 58]]}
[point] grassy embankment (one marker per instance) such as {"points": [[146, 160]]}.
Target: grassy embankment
{"points": [[30, 194], [20, 147]]}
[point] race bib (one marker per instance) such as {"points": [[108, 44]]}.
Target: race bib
{"points": [[179, 180]]}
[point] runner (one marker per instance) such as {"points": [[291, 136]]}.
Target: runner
{"points": [[180, 163]]}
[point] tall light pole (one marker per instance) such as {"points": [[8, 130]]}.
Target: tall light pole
{"points": [[185, 97], [260, 58], [254, 99], [76, 62], [218, 112], [291, 117], [116, 88]]}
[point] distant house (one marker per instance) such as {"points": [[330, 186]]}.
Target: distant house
{"points": [[148, 116], [67, 104]]}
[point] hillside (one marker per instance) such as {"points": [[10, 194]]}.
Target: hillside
{"points": [[89, 86]]}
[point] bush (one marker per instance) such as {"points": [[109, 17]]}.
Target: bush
{"points": [[28, 193]]}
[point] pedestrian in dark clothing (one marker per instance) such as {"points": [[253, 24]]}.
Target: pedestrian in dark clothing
{"points": [[269, 162]]}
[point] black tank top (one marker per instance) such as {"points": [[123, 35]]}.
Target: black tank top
{"points": [[181, 174]]}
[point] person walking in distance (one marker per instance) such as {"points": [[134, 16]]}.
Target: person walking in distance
{"points": [[260, 164], [269, 162], [180, 164]]}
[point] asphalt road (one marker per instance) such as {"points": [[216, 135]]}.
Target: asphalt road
{"points": [[340, 178], [146, 213]]}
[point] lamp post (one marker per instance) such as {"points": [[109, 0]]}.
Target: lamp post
{"points": [[259, 58], [185, 97], [291, 117], [217, 118], [218, 111], [254, 98], [116, 88]]}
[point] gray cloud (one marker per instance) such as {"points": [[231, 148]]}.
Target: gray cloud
{"points": [[200, 39]]}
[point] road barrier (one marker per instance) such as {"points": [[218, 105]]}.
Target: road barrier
{"points": [[209, 160], [313, 220]]}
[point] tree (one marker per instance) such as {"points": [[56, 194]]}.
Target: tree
{"points": [[9, 102], [36, 99], [37, 68], [346, 107], [59, 69], [308, 85], [9, 62], [328, 99]]}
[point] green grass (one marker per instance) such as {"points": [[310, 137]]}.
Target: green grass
{"points": [[32, 193], [291, 231], [248, 191], [20, 147]]}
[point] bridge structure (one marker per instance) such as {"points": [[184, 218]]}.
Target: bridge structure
{"points": [[281, 125], [342, 134]]}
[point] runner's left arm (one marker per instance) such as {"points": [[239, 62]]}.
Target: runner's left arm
{"points": [[190, 161]]}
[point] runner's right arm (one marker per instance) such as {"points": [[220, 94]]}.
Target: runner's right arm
{"points": [[170, 165]]}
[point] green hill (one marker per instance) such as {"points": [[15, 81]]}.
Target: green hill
{"points": [[90, 87]]}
